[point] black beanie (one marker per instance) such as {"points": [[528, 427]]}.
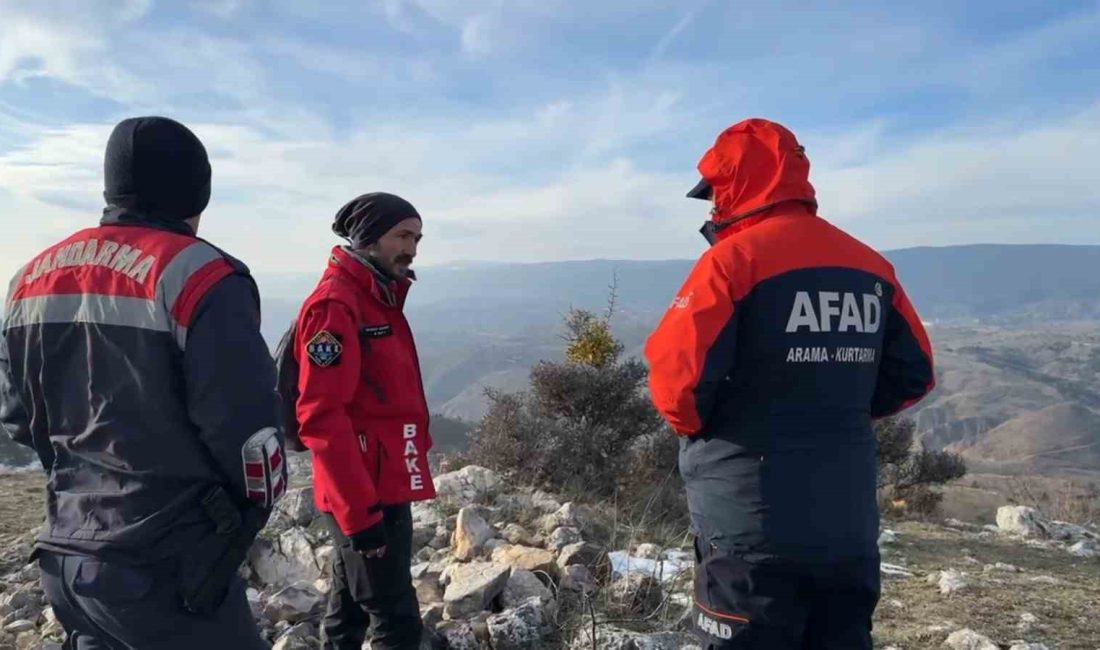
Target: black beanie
{"points": [[156, 166], [364, 219]]}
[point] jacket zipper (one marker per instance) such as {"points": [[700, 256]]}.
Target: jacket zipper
{"points": [[363, 443]]}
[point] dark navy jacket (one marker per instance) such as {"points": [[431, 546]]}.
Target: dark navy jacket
{"points": [[131, 361]]}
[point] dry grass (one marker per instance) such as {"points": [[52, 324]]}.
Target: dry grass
{"points": [[994, 601], [23, 507]]}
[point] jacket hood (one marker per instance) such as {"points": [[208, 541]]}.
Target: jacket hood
{"points": [[754, 165]]}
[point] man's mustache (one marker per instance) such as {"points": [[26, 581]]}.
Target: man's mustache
{"points": [[407, 260]]}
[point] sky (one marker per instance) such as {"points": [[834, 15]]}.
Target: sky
{"points": [[540, 130]]}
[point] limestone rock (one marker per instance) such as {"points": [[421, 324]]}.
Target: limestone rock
{"points": [[471, 534], [968, 639], [589, 555], [522, 627], [1022, 521], [295, 603], [563, 536], [526, 558], [472, 587], [286, 560], [297, 507], [522, 586], [952, 581], [471, 484], [516, 534]]}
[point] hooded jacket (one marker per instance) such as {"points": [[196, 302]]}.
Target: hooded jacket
{"points": [[362, 409], [788, 337]]}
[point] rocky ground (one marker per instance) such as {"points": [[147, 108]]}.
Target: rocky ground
{"points": [[509, 569]]}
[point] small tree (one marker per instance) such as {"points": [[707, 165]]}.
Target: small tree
{"points": [[584, 425], [907, 472]]}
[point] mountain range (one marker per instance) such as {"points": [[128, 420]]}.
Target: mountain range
{"points": [[1016, 330]]}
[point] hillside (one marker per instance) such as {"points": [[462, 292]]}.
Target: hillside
{"points": [[498, 565], [1057, 438], [1037, 383]]}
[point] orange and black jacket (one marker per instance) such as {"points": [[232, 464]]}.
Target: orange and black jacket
{"points": [[787, 339]]}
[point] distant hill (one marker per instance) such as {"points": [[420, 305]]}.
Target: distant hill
{"points": [[1060, 438], [992, 308]]}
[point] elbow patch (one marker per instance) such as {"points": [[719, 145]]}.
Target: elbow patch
{"points": [[265, 469]]}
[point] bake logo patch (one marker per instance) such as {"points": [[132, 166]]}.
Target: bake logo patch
{"points": [[324, 349]]}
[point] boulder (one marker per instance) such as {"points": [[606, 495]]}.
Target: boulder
{"points": [[472, 587], [614, 638], [527, 559], [284, 561], [589, 555], [471, 534], [968, 639], [1085, 548], [563, 536], [952, 581], [471, 484], [522, 627], [297, 507], [1022, 521], [516, 534], [19, 626], [569, 515], [522, 586], [293, 604], [458, 635]]}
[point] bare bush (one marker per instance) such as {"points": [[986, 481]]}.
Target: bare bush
{"points": [[908, 473]]}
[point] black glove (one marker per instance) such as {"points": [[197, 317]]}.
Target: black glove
{"points": [[371, 542]]}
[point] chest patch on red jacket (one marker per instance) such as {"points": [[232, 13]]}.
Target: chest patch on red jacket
{"points": [[324, 349], [376, 331]]}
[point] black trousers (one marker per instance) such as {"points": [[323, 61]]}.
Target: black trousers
{"points": [[778, 604], [112, 606], [375, 593]]}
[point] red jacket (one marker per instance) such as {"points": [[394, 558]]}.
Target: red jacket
{"points": [[362, 409]]}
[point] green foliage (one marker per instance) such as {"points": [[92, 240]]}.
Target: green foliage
{"points": [[585, 427]]}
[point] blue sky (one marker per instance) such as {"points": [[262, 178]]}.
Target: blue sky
{"points": [[535, 130]]}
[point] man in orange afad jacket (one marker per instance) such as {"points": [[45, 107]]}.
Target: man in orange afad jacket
{"points": [[787, 339]]}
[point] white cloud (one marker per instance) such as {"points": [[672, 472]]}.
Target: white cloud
{"points": [[958, 185], [65, 42], [476, 35]]}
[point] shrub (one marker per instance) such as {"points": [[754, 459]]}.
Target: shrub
{"points": [[585, 426], [908, 473]]}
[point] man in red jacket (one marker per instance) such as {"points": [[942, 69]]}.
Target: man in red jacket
{"points": [[363, 414], [787, 339]]}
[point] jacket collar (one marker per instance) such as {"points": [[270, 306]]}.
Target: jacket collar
{"points": [[387, 291], [116, 216], [783, 209]]}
